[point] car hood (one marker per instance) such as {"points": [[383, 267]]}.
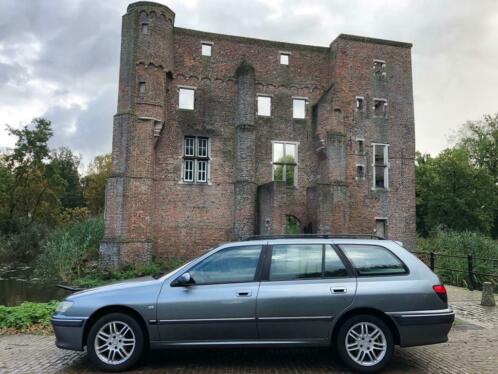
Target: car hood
{"points": [[118, 286]]}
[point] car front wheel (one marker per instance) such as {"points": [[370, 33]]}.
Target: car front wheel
{"points": [[365, 343], [115, 342]]}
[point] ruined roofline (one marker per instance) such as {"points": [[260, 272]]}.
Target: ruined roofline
{"points": [[366, 39], [248, 40], [284, 45]]}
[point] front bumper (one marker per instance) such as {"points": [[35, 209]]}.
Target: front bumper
{"points": [[68, 332], [423, 327]]}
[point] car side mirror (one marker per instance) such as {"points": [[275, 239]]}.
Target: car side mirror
{"points": [[183, 280]]}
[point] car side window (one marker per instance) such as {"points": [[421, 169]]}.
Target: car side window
{"points": [[373, 260], [231, 265], [333, 266], [296, 261]]}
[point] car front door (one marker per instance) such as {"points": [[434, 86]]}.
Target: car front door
{"points": [[219, 302], [306, 286]]}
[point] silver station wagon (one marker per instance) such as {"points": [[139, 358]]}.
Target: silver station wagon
{"points": [[358, 294]]}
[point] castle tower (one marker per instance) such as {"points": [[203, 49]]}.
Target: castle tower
{"points": [[145, 68], [245, 148]]}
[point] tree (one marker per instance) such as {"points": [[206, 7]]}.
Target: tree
{"points": [[65, 164], [95, 181], [452, 193], [33, 191], [480, 139]]}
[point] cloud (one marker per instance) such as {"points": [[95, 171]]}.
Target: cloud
{"points": [[60, 59]]}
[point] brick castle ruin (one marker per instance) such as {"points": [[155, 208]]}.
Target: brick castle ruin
{"points": [[217, 137]]}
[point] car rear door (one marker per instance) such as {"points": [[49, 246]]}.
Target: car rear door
{"points": [[219, 305], [305, 285]]}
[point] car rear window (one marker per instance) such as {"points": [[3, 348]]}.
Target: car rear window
{"points": [[373, 260]]}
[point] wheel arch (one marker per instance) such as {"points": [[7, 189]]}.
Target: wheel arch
{"points": [[115, 309], [370, 311]]}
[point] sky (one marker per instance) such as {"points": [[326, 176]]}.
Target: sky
{"points": [[59, 59]]}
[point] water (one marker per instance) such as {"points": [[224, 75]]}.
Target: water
{"points": [[17, 284]]}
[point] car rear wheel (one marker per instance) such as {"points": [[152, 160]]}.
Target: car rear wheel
{"points": [[115, 342], [365, 343]]}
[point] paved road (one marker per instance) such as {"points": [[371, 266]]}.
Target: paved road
{"points": [[472, 348]]}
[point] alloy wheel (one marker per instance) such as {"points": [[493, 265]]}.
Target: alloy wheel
{"points": [[366, 344], [115, 342]]}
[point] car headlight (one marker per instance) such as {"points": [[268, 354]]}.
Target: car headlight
{"points": [[63, 306]]}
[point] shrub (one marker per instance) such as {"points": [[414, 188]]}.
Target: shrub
{"points": [[26, 315], [97, 277], [462, 244], [67, 251], [23, 244]]}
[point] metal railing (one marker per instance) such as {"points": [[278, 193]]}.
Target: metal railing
{"points": [[430, 259]]}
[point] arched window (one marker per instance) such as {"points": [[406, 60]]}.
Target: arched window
{"points": [[292, 225]]}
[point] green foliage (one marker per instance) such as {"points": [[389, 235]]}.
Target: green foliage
{"points": [[452, 193], [95, 181], [32, 189], [23, 244], [461, 244], [65, 164], [26, 315], [98, 277], [286, 165], [65, 254]]}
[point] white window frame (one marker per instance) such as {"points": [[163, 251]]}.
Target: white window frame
{"points": [[186, 88], [196, 159], [286, 54], [258, 96], [207, 44], [385, 165], [299, 98], [296, 167]]}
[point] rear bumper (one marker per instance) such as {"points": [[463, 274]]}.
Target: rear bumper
{"points": [[68, 332], [423, 327]]}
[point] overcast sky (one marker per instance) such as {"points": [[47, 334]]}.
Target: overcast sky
{"points": [[59, 59]]}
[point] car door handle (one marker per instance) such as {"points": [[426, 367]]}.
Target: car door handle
{"points": [[244, 293], [335, 290]]}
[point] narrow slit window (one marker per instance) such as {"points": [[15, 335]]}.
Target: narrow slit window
{"points": [[264, 106], [360, 103], [145, 28], [360, 172], [380, 166], [360, 146], [299, 108], [186, 97], [141, 88]]}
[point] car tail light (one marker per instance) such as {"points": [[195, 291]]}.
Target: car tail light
{"points": [[440, 290]]}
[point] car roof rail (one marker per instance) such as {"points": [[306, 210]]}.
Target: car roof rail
{"points": [[313, 236]]}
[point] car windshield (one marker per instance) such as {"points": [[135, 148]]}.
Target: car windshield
{"points": [[164, 274]]}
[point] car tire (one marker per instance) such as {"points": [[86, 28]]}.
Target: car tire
{"points": [[365, 343], [115, 342]]}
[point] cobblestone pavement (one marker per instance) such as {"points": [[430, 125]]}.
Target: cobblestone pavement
{"points": [[472, 348]]}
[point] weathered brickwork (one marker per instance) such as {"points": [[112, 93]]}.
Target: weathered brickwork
{"points": [[152, 210]]}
